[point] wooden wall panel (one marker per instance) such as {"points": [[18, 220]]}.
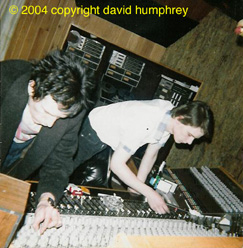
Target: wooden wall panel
{"points": [[19, 40], [36, 35], [13, 199], [211, 54], [8, 23], [41, 39], [128, 241], [32, 23], [13, 193]]}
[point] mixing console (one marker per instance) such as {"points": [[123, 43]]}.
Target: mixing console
{"points": [[100, 231], [229, 202], [94, 220], [209, 190], [110, 205]]}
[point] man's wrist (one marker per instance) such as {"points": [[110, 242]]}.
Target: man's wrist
{"points": [[51, 202], [147, 191], [47, 198]]}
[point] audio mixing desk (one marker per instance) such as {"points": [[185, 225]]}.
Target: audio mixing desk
{"points": [[207, 204]]}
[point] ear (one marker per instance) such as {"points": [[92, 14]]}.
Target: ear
{"points": [[31, 89]]}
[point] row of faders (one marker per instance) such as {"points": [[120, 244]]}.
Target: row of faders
{"points": [[218, 190], [100, 231], [95, 221]]}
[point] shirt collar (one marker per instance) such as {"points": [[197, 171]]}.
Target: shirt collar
{"points": [[162, 125]]}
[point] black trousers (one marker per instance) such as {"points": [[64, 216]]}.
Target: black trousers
{"points": [[89, 144]]}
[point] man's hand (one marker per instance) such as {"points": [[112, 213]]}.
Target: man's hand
{"points": [[46, 216], [156, 202], [119, 167]]}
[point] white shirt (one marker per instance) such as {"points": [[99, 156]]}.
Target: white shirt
{"points": [[132, 124]]}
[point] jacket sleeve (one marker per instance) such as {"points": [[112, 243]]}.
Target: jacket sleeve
{"points": [[55, 171], [14, 78], [10, 70]]}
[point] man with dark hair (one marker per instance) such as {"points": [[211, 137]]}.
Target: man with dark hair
{"points": [[195, 114], [126, 126], [43, 105]]}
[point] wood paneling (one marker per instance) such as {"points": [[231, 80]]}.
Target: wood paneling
{"points": [[8, 23], [13, 193], [7, 221], [211, 54], [13, 198], [36, 35], [125, 241]]}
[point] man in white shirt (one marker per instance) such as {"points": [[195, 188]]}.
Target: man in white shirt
{"points": [[126, 126]]}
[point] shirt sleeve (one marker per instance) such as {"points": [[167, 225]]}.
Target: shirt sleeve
{"points": [[134, 135]]}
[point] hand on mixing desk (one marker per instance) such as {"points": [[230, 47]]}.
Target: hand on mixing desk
{"points": [[157, 203], [46, 216]]}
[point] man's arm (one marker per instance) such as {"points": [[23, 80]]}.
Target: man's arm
{"points": [[147, 161], [46, 216], [54, 176], [119, 167]]}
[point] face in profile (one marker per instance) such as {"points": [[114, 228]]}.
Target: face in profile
{"points": [[46, 111], [185, 134]]}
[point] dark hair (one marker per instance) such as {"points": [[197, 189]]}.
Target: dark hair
{"points": [[62, 76], [196, 114]]}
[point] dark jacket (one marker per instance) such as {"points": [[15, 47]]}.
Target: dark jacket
{"points": [[53, 148]]}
